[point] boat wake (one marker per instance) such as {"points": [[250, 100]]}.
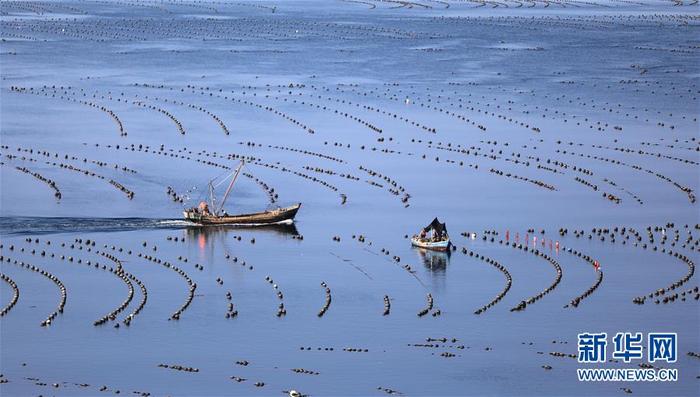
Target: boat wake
{"points": [[49, 225]]}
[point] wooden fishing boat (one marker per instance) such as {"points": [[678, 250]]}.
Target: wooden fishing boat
{"points": [[442, 245], [212, 214], [275, 216], [432, 237]]}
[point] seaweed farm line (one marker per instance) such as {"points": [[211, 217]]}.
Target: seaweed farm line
{"points": [[558, 140]]}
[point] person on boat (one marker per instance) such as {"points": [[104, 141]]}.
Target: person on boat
{"points": [[203, 208], [438, 231]]}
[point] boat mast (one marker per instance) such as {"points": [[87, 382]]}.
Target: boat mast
{"points": [[230, 186], [211, 194]]}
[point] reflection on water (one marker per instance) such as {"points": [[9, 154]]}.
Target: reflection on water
{"points": [[208, 237], [436, 263]]}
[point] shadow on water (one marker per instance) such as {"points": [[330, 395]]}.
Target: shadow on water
{"points": [[17, 226]]}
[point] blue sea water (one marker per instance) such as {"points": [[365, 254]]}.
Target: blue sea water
{"points": [[574, 70]]}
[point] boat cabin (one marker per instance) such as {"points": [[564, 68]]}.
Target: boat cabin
{"points": [[435, 231]]}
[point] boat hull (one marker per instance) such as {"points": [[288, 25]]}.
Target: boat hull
{"points": [[431, 245], [276, 216]]}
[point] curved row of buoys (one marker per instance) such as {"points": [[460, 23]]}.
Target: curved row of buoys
{"points": [[62, 288], [55, 93], [65, 166], [281, 311], [327, 303], [502, 269], [524, 303], [51, 183], [15, 294], [429, 306], [599, 276]]}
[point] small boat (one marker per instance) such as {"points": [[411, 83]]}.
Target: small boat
{"points": [[203, 214], [432, 237]]}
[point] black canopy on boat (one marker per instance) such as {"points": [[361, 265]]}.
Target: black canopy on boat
{"points": [[439, 227]]}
